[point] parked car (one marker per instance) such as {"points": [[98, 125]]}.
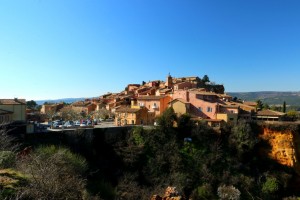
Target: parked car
{"points": [[88, 122], [67, 124], [83, 123], [57, 124], [77, 123]]}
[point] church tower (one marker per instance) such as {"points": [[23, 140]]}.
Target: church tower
{"points": [[169, 82]]}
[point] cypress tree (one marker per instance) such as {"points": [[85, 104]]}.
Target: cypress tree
{"points": [[284, 107]]}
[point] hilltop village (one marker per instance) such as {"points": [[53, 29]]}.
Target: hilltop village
{"points": [[141, 104]]}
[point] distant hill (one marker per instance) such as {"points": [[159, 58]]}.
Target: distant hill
{"points": [[66, 100], [270, 97]]}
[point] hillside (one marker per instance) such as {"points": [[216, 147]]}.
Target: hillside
{"points": [[66, 100], [270, 97]]}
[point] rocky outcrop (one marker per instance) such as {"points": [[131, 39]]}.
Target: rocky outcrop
{"points": [[284, 144], [171, 193]]}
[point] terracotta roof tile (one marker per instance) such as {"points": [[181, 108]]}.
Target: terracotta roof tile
{"points": [[12, 101], [203, 93], [181, 100], [150, 97], [269, 113], [250, 103], [128, 110]]}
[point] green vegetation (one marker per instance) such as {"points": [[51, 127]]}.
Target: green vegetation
{"points": [[200, 162]]}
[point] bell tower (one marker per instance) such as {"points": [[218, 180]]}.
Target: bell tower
{"points": [[169, 82]]}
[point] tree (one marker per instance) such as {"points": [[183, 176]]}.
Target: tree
{"points": [[242, 138], [292, 115], [54, 173], [167, 119], [205, 79], [7, 142], [31, 104], [266, 106], [259, 105], [67, 113], [102, 113], [284, 107]]}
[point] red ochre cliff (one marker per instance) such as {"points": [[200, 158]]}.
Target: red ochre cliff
{"points": [[284, 141]]}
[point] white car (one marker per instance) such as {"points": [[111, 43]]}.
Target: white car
{"points": [[77, 123]]}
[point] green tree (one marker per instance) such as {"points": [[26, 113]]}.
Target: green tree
{"points": [[167, 119], [242, 138], [31, 104], [185, 125], [259, 105], [266, 106], [205, 79], [284, 107], [292, 115]]}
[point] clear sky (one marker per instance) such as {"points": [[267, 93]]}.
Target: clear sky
{"points": [[53, 49]]}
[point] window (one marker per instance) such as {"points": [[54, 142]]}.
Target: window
{"points": [[200, 109], [209, 109], [132, 121]]}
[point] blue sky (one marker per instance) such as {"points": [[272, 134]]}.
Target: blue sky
{"points": [[53, 49]]}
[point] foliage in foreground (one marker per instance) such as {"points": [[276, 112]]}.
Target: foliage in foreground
{"points": [[209, 166], [53, 172], [199, 162]]}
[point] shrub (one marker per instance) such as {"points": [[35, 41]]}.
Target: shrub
{"points": [[7, 159], [203, 192], [53, 172], [136, 136], [63, 157], [228, 192], [270, 186]]}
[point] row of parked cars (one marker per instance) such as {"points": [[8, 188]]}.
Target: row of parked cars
{"points": [[70, 124]]}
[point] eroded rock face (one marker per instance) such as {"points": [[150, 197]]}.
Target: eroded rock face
{"points": [[281, 146], [284, 146]]}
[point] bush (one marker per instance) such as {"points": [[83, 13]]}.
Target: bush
{"points": [[53, 172], [136, 136], [11, 181], [228, 192], [270, 186], [63, 157], [7, 159], [204, 191]]}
